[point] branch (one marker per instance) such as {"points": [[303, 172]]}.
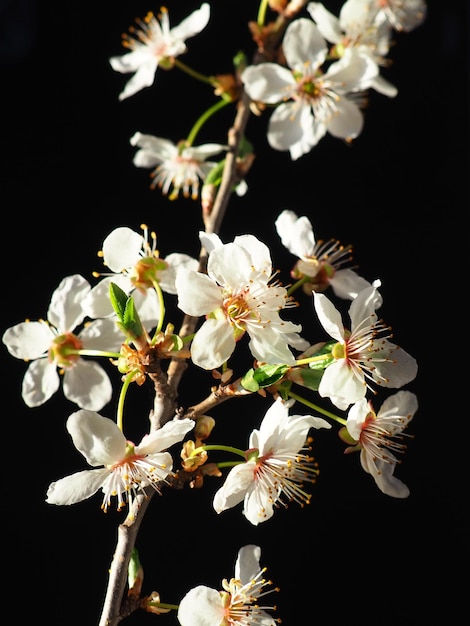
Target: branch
{"points": [[114, 609]]}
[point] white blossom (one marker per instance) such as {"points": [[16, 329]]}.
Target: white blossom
{"points": [[50, 347], [120, 468], [154, 43]]}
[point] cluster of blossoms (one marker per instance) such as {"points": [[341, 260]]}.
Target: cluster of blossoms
{"points": [[315, 83]]}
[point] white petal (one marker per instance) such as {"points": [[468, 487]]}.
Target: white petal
{"points": [[304, 45], [268, 82], [347, 284], [382, 473], [96, 437], [258, 504], [247, 565], [162, 149], [269, 346], [341, 385], [347, 121], [239, 479], [296, 233], [87, 385], [213, 344], [172, 432], [365, 304], [400, 372], [356, 418], [327, 23], [329, 317], [176, 262], [193, 24], [202, 153], [97, 303], [201, 606], [197, 293], [131, 61], [401, 403], [65, 310], [121, 249], [148, 307], [102, 334], [40, 382], [259, 253], [76, 487], [28, 340], [230, 265], [144, 77]]}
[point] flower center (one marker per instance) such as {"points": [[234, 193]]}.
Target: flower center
{"points": [[63, 350]]}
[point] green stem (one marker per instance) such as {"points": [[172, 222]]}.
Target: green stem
{"points": [[227, 464], [218, 447], [203, 119], [315, 407], [262, 12], [298, 284], [311, 359], [122, 396], [197, 75], [161, 304], [113, 355], [164, 605]]}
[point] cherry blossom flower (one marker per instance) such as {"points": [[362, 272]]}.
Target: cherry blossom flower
{"points": [[275, 469], [154, 43], [238, 603], [403, 15], [322, 262], [363, 354], [135, 266], [379, 437], [310, 102], [127, 468], [178, 168], [51, 347], [237, 296], [356, 27]]}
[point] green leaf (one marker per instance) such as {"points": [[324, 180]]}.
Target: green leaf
{"points": [[325, 351], [124, 306], [118, 300], [263, 376], [310, 378]]}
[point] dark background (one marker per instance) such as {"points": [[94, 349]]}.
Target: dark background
{"points": [[399, 194]]}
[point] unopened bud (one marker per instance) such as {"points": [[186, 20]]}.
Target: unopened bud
{"points": [[204, 426]]}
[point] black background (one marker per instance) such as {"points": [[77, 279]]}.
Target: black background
{"points": [[399, 194]]}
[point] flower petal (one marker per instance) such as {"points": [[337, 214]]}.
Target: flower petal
{"points": [[40, 382], [76, 487], [201, 606], [239, 479], [96, 437], [87, 385], [213, 344], [28, 340], [170, 433], [65, 309], [121, 249]]}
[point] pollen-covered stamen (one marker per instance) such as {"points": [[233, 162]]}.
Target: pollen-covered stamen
{"points": [[333, 253], [63, 350], [148, 33], [182, 173], [283, 477], [364, 349], [238, 311], [382, 438], [241, 600], [130, 476]]}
